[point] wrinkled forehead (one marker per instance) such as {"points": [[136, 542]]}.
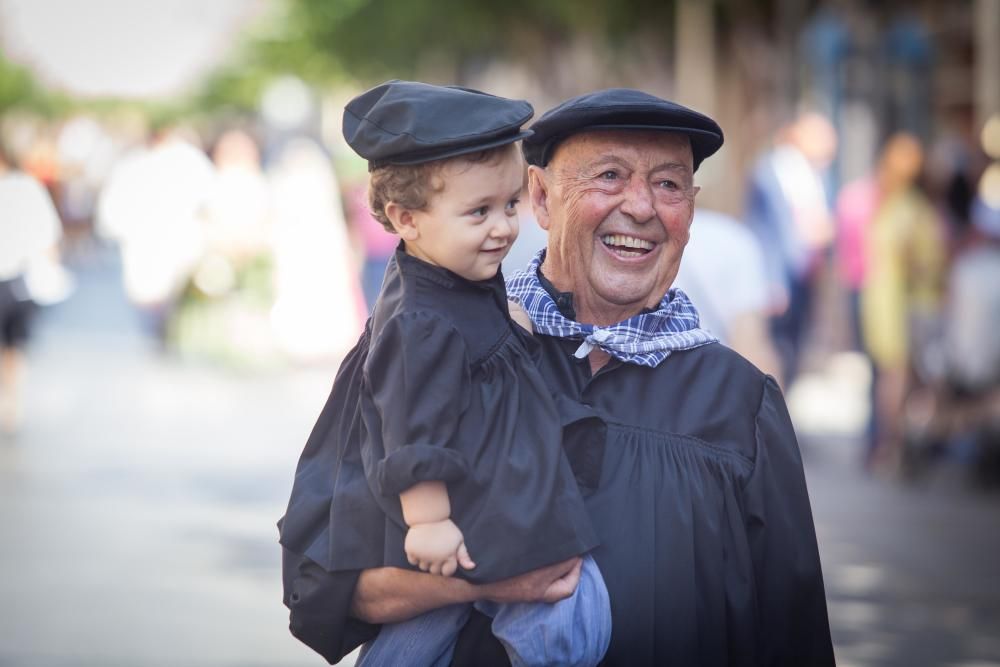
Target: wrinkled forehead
{"points": [[639, 146]]}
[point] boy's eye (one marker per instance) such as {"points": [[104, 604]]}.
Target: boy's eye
{"points": [[479, 212], [512, 206]]}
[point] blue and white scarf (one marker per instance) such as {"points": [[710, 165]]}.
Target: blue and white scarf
{"points": [[646, 339]]}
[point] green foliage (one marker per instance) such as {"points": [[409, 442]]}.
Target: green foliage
{"points": [[18, 90], [371, 39]]}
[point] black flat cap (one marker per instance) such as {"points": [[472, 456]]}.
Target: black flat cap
{"points": [[620, 109], [406, 122]]}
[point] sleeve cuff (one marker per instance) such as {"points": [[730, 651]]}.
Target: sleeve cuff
{"points": [[412, 464]]}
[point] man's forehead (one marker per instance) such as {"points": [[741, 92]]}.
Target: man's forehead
{"points": [[649, 145]]}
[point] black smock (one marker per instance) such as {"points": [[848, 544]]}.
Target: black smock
{"points": [[708, 547], [443, 386]]}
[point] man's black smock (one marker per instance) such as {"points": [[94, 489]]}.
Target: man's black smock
{"points": [[441, 386], [707, 546]]}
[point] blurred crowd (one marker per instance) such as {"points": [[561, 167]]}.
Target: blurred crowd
{"points": [[222, 254], [249, 249], [912, 248]]}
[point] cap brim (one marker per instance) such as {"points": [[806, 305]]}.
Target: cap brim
{"points": [[703, 142], [442, 153]]}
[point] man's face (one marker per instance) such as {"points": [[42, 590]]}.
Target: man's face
{"points": [[617, 205]]}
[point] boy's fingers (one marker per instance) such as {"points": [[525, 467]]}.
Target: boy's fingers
{"points": [[449, 567], [436, 567], [463, 557], [412, 559]]}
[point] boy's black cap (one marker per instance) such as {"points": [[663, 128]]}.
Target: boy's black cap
{"points": [[620, 109], [406, 122]]}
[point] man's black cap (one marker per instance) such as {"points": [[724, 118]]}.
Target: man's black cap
{"points": [[620, 109], [406, 122]]}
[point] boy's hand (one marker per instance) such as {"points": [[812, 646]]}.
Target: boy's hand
{"points": [[518, 315], [437, 547]]}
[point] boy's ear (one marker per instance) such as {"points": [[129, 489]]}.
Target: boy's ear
{"points": [[538, 193], [402, 221]]}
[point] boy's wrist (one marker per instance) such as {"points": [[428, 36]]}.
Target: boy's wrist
{"points": [[425, 502]]}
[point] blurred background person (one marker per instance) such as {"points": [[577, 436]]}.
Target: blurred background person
{"points": [[377, 245], [319, 308], [29, 273], [153, 204], [85, 153], [968, 414], [857, 203], [723, 274], [901, 294], [223, 309], [787, 208]]}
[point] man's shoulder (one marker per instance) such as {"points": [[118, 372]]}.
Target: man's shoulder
{"points": [[718, 354]]}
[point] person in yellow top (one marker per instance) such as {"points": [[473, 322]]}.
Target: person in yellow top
{"points": [[906, 259]]}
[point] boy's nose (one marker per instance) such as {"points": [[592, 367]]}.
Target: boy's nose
{"points": [[503, 228]]}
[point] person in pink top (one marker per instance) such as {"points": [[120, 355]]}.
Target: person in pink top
{"points": [[378, 243], [857, 205]]}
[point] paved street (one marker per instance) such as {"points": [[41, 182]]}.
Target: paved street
{"points": [[138, 508]]}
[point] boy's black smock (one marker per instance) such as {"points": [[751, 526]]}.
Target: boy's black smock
{"points": [[442, 386]]}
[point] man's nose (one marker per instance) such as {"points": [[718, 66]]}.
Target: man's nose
{"points": [[638, 202]]}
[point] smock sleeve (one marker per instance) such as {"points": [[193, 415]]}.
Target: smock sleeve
{"points": [[320, 606], [791, 603], [419, 377]]}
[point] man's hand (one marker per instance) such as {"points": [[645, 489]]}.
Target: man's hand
{"points": [[391, 595], [547, 584], [437, 547]]}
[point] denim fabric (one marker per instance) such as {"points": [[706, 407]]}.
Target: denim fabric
{"points": [[427, 640], [574, 632]]}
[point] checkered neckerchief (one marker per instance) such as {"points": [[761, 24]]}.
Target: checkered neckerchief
{"points": [[646, 339]]}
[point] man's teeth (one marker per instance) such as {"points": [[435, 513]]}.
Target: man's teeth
{"points": [[623, 241]]}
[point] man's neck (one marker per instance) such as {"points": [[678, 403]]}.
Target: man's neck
{"points": [[595, 312]]}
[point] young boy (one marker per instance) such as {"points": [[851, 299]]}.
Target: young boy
{"points": [[440, 409]]}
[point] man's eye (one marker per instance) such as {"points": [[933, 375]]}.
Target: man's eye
{"points": [[609, 175], [669, 185]]}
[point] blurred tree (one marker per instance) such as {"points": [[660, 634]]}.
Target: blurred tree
{"points": [[372, 39], [19, 90]]}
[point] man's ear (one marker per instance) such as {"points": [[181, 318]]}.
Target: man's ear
{"points": [[403, 221], [538, 193], [694, 193]]}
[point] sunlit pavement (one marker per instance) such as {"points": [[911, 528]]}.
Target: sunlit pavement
{"points": [[138, 502], [912, 571], [138, 506]]}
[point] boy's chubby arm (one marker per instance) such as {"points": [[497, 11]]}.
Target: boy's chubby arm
{"points": [[433, 542], [518, 315]]}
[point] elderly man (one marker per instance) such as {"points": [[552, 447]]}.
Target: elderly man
{"points": [[708, 547]]}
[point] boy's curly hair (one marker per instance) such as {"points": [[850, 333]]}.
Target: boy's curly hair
{"points": [[412, 186]]}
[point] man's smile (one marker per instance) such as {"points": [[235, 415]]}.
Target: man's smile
{"points": [[627, 246]]}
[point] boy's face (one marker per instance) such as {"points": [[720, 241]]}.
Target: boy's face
{"points": [[469, 227]]}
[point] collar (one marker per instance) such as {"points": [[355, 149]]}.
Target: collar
{"points": [[563, 300], [442, 277]]}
